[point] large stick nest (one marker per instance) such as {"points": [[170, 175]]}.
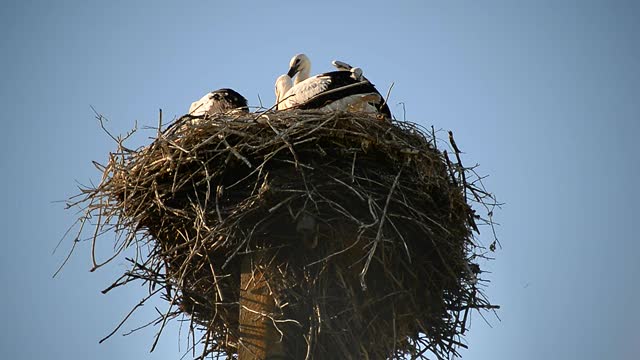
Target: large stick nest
{"points": [[365, 225]]}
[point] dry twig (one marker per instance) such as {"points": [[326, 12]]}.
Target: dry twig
{"points": [[385, 201]]}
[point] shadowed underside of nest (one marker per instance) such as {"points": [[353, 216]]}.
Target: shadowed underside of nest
{"points": [[356, 234]]}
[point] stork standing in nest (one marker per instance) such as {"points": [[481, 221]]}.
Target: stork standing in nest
{"points": [[344, 90]]}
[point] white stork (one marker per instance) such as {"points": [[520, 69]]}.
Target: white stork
{"points": [[219, 101], [300, 67], [337, 90]]}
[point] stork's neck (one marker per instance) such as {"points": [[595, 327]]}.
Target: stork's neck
{"points": [[303, 74], [283, 85]]}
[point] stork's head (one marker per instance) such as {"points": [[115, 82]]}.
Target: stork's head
{"points": [[341, 65], [299, 63], [356, 74]]}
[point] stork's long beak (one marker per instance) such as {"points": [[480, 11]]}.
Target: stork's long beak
{"points": [[293, 71]]}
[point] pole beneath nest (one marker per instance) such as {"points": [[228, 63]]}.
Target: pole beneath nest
{"points": [[259, 338]]}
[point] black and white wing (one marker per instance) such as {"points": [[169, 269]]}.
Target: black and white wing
{"points": [[219, 101], [337, 90]]}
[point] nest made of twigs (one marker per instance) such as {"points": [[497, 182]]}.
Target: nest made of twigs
{"points": [[365, 225]]}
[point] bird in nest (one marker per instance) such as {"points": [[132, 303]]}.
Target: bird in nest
{"points": [[217, 102], [345, 89]]}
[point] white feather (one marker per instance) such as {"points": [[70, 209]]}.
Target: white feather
{"points": [[305, 90], [355, 103], [283, 84], [202, 106]]}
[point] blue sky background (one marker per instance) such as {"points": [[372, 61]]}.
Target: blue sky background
{"points": [[545, 95]]}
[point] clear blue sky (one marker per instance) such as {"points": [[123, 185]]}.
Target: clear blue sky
{"points": [[545, 95]]}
